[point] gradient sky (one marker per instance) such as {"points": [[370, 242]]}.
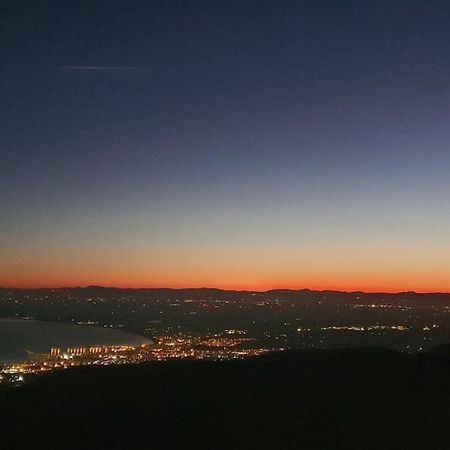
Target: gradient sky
{"points": [[233, 144]]}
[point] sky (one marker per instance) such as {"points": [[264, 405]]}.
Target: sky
{"points": [[231, 144]]}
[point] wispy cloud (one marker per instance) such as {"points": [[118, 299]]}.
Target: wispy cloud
{"points": [[106, 68]]}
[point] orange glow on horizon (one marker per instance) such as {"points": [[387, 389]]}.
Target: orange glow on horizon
{"points": [[237, 272], [388, 287]]}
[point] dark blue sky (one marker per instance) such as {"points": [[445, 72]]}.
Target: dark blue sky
{"points": [[229, 143]]}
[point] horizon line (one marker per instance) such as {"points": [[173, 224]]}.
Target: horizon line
{"points": [[229, 289]]}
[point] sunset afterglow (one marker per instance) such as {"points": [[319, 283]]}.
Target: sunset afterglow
{"points": [[270, 165]]}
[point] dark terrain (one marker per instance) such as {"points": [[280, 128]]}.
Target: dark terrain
{"points": [[334, 399]]}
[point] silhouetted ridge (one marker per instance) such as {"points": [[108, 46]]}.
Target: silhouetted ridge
{"points": [[317, 400]]}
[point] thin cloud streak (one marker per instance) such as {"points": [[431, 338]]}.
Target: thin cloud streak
{"points": [[106, 68]]}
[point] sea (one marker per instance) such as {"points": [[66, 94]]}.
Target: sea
{"points": [[19, 336]]}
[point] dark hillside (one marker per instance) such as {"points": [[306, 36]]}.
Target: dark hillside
{"points": [[357, 399]]}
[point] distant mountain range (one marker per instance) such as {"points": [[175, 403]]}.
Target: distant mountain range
{"points": [[273, 294]]}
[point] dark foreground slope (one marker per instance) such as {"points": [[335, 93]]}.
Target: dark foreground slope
{"points": [[356, 399]]}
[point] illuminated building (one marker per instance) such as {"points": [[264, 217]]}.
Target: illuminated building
{"points": [[55, 352]]}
